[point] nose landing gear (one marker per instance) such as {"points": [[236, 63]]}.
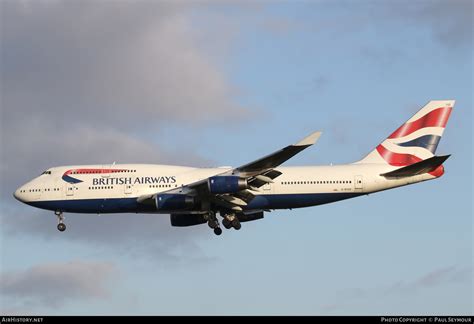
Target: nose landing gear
{"points": [[61, 225]]}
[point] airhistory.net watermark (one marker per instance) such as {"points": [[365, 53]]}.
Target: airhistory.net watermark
{"points": [[16, 319]]}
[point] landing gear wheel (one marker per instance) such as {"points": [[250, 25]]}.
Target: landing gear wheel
{"points": [[227, 224], [212, 221], [218, 231], [236, 224], [212, 224], [60, 216]]}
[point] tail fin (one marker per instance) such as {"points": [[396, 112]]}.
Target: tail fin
{"points": [[417, 139]]}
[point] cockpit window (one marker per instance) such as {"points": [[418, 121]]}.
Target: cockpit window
{"points": [[46, 172]]}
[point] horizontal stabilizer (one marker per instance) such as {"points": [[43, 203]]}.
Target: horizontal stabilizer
{"points": [[421, 167]]}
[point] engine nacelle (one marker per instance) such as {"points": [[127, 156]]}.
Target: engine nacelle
{"points": [[181, 220], [172, 202], [226, 184], [249, 217]]}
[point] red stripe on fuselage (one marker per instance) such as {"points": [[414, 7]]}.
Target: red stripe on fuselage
{"points": [[435, 118], [93, 171]]}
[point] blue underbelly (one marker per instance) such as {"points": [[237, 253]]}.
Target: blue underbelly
{"points": [[130, 205], [285, 201], [103, 206]]}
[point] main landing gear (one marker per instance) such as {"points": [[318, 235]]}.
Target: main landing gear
{"points": [[213, 223], [231, 221], [61, 225]]}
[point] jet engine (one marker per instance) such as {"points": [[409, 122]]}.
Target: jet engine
{"points": [[226, 184], [181, 220], [174, 202], [249, 217]]}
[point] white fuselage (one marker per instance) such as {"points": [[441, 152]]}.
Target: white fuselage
{"points": [[113, 189]]}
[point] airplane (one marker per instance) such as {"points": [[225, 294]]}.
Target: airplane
{"points": [[194, 196]]}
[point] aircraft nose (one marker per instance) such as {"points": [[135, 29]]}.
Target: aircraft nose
{"points": [[18, 195]]}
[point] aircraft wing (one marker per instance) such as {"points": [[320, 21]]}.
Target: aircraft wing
{"points": [[275, 159], [261, 171], [256, 174]]}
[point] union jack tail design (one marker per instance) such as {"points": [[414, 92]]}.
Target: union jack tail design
{"points": [[417, 139]]}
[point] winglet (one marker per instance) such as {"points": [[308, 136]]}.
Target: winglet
{"points": [[309, 140]]}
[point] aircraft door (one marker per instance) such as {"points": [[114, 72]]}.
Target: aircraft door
{"points": [[70, 189], [358, 182], [128, 189]]}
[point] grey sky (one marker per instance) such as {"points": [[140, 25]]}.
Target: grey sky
{"points": [[205, 83], [96, 75], [57, 283]]}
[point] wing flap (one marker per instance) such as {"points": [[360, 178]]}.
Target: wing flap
{"points": [[257, 181]]}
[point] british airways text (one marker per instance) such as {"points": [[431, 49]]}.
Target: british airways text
{"points": [[129, 180]]}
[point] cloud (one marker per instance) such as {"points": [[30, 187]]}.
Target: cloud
{"points": [[453, 274], [113, 63], [451, 22], [54, 284], [450, 274], [98, 82], [104, 66]]}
